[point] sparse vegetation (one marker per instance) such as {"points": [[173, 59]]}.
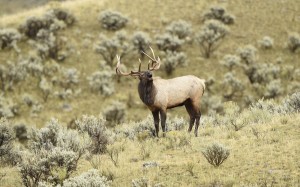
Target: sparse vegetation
{"points": [[49, 68]]}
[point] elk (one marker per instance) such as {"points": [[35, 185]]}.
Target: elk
{"points": [[162, 94]]}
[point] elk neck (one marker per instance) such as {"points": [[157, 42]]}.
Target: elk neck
{"points": [[147, 91]]}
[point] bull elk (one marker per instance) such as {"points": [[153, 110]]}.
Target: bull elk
{"points": [[162, 94]]}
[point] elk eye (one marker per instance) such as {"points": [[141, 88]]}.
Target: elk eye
{"points": [[149, 75]]}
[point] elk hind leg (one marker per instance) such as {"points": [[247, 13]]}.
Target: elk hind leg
{"points": [[189, 108], [198, 116]]}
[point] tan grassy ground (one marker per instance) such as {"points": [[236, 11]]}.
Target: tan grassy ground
{"points": [[270, 159]]}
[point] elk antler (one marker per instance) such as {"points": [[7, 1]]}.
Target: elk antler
{"points": [[155, 63], [132, 73]]}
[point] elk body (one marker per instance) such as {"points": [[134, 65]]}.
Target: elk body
{"points": [[162, 94]]}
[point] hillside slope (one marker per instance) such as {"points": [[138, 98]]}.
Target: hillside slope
{"points": [[254, 20]]}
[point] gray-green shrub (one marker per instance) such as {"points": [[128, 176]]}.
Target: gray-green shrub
{"points": [[216, 154], [52, 20], [7, 137], [273, 89], [219, 13], [248, 54], [112, 20], [11, 74], [102, 81], [180, 28], [108, 48], [172, 60], [9, 38], [293, 43], [8, 107], [233, 87], [95, 127], [53, 154], [91, 178], [141, 42], [168, 42], [230, 61], [21, 132], [266, 43], [115, 113], [291, 103], [210, 36]]}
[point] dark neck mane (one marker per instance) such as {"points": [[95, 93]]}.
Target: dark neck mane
{"points": [[147, 91]]}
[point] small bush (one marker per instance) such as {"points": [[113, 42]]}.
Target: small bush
{"points": [[180, 28], [50, 46], [52, 20], [7, 136], [216, 154], [248, 54], [176, 124], [95, 127], [108, 48], [115, 113], [8, 107], [53, 154], [63, 15], [210, 36], [293, 42], [230, 61], [70, 78], [32, 26], [266, 43], [291, 104], [111, 20], [9, 38], [172, 60], [11, 74], [21, 132], [141, 42], [143, 128], [262, 73], [46, 88], [233, 118], [168, 42], [219, 13], [89, 178], [273, 89], [233, 87], [102, 81]]}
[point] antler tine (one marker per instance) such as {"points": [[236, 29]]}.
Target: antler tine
{"points": [[150, 56], [155, 61], [132, 73], [140, 65]]}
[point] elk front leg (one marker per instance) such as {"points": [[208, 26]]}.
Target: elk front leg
{"points": [[163, 116], [156, 121]]}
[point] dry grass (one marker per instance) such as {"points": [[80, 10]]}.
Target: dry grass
{"points": [[273, 158]]}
